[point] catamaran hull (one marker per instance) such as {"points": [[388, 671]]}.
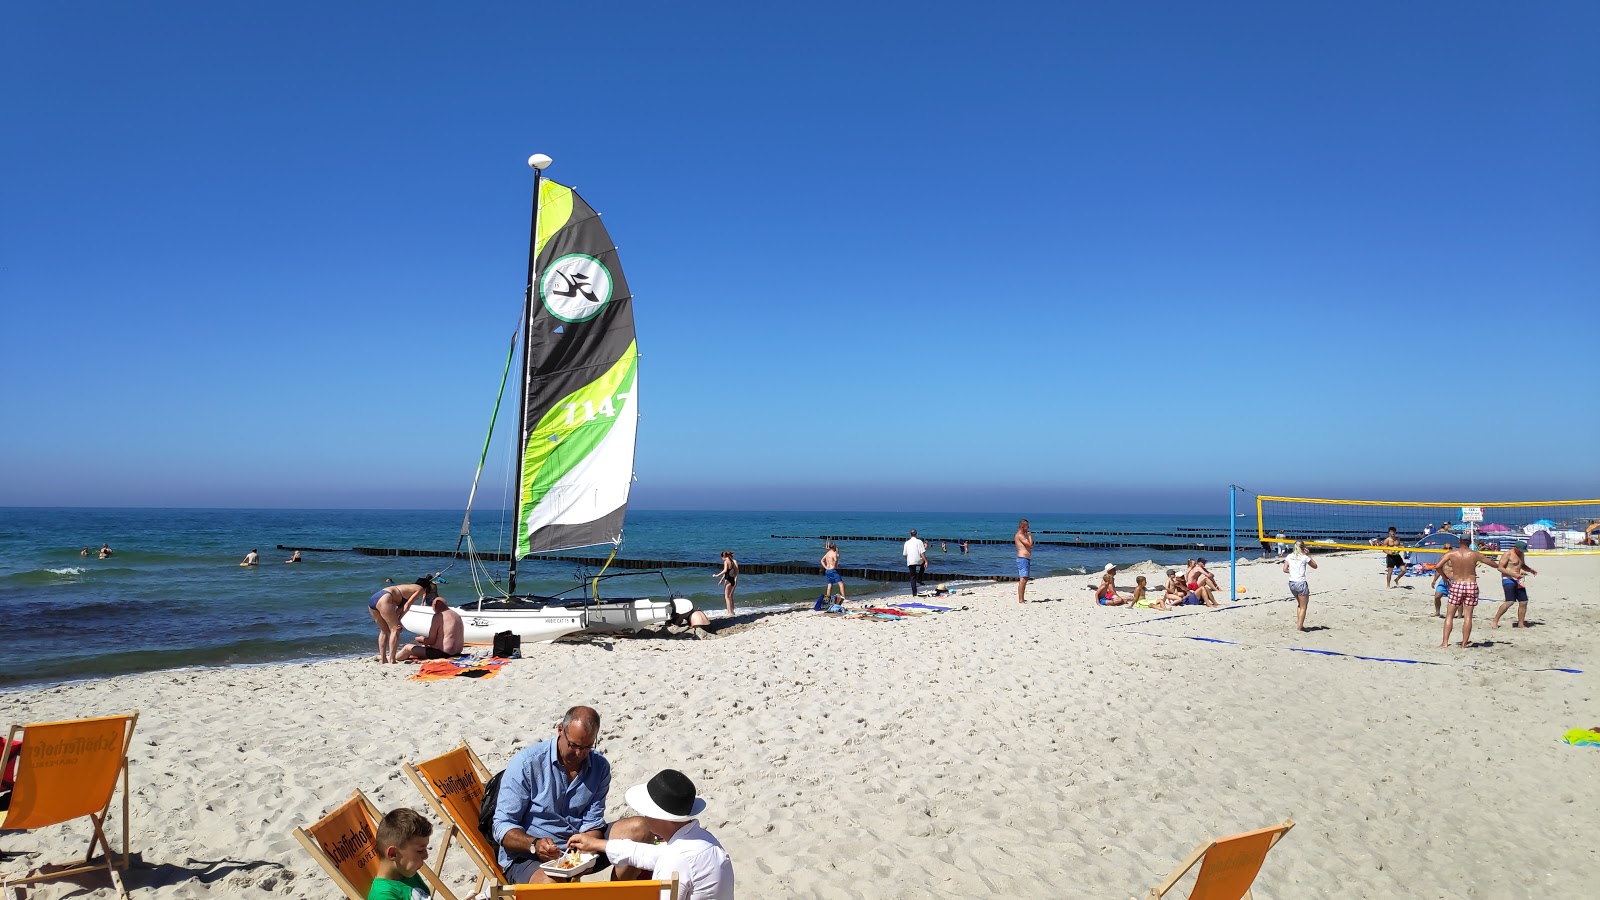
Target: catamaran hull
{"points": [[545, 624]]}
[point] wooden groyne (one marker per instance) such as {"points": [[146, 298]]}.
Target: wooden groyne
{"points": [[745, 568], [1184, 546]]}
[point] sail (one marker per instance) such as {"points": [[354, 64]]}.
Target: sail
{"points": [[581, 361]]}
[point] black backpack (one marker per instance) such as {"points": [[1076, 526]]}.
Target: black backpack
{"points": [[491, 799]]}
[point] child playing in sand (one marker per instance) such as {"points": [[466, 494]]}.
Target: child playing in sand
{"points": [[402, 850], [1139, 598]]}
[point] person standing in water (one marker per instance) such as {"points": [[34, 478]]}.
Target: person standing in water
{"points": [[252, 558], [294, 558], [1295, 564], [105, 551], [729, 576], [1024, 541]]}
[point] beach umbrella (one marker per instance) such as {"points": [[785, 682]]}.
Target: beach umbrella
{"points": [[1492, 527]]}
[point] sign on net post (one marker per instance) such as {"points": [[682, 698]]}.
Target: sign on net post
{"points": [[1472, 514]]}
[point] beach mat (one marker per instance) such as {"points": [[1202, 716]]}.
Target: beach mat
{"points": [[458, 667]]}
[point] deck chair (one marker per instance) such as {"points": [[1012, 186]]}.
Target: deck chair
{"points": [[1230, 867], [345, 844], [68, 770], [590, 890], [453, 786]]}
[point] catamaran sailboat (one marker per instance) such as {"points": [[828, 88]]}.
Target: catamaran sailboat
{"points": [[576, 430]]}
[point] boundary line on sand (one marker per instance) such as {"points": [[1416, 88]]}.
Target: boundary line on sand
{"points": [[1389, 659]]}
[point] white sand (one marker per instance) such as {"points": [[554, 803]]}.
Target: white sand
{"points": [[1001, 750]]}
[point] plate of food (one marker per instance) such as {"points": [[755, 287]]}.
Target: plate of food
{"points": [[570, 864]]}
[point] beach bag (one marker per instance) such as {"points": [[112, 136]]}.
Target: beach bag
{"points": [[507, 645], [491, 800]]}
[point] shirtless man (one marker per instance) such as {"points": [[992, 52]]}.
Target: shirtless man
{"points": [[105, 551], [1463, 566], [830, 570], [1514, 572], [1394, 565], [1200, 583], [446, 636], [251, 559], [1024, 541]]}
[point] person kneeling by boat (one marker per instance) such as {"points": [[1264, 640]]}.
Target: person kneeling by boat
{"points": [[669, 807], [555, 790], [685, 615], [445, 638]]}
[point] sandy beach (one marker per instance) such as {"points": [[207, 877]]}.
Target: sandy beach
{"points": [[1053, 749]]}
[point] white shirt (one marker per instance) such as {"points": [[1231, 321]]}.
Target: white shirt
{"points": [[1297, 566], [915, 550], [703, 868]]}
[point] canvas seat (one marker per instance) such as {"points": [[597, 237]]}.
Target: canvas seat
{"points": [[345, 844], [590, 890], [68, 770], [453, 785], [1230, 867]]}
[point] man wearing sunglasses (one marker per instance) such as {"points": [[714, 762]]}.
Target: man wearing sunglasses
{"points": [[553, 790]]}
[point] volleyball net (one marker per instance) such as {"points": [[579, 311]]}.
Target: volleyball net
{"points": [[1542, 526]]}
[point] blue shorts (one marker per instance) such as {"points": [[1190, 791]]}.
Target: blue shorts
{"points": [[1514, 591], [1443, 589], [1024, 567], [833, 576]]}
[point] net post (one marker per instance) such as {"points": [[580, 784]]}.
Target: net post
{"points": [[1233, 552]]}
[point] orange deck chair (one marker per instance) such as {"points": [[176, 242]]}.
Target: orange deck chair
{"points": [[345, 844], [591, 890], [68, 770], [1230, 867], [453, 785]]}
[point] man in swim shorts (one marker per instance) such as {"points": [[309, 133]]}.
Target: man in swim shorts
{"points": [[1441, 588], [1024, 541], [1463, 568], [830, 571], [1514, 572], [1394, 565]]}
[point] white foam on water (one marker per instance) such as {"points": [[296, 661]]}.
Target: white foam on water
{"points": [[69, 570]]}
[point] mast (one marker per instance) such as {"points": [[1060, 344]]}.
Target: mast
{"points": [[537, 163]]}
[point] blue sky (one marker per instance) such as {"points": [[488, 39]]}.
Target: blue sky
{"points": [[1056, 257]]}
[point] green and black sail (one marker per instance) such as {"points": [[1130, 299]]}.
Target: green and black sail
{"points": [[581, 362]]}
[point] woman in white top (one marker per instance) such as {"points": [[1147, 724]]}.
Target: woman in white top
{"points": [[1295, 564]]}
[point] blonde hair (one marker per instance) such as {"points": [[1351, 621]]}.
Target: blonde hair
{"points": [[1300, 548]]}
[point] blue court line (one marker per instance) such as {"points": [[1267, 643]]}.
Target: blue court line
{"points": [[1389, 659], [1201, 609]]}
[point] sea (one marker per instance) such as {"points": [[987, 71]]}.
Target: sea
{"points": [[173, 593]]}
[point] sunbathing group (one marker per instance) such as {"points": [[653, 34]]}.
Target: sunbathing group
{"points": [[550, 802], [1197, 586]]}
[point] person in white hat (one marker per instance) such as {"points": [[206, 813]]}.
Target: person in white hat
{"points": [[668, 805]]}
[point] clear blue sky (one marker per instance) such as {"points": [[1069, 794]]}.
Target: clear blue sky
{"points": [[1047, 257]]}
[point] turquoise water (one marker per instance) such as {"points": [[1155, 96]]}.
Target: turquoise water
{"points": [[174, 594]]}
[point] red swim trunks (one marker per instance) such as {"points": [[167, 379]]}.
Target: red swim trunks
{"points": [[1463, 593]]}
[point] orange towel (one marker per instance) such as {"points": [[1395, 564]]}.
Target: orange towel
{"points": [[435, 669]]}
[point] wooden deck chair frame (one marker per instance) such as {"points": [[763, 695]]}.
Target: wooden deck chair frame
{"points": [[25, 815], [462, 832], [308, 840], [1231, 865], [590, 890]]}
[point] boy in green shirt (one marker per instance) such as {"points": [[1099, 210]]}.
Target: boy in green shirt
{"points": [[402, 851]]}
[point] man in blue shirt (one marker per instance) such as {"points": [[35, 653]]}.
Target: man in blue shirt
{"points": [[553, 790]]}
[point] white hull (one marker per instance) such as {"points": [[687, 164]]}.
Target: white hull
{"points": [[537, 625]]}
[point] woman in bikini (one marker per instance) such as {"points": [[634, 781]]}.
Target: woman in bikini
{"points": [[389, 605], [729, 576]]}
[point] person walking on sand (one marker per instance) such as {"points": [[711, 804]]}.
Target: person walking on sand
{"points": [[388, 605], [1441, 587], [1463, 565], [916, 554], [1295, 564], [1394, 565], [729, 576], [1024, 541], [1514, 572], [830, 571]]}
